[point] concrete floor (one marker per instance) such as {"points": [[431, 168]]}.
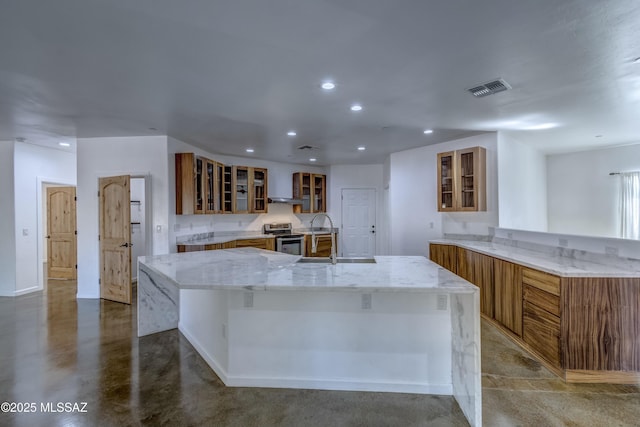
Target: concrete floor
{"points": [[56, 349]]}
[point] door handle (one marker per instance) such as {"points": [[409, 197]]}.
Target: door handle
{"points": [[48, 237], [125, 245]]}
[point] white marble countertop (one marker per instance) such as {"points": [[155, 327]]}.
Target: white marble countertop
{"points": [[555, 264], [227, 238], [257, 269]]}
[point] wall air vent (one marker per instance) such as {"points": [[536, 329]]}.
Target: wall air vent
{"points": [[489, 88], [306, 147]]}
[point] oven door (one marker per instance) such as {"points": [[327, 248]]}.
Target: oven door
{"points": [[290, 245]]}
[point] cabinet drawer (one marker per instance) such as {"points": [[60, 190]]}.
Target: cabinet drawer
{"points": [[541, 330], [542, 299], [253, 243], [540, 280]]}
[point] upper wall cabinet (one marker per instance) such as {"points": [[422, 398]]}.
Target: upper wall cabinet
{"points": [[462, 180], [311, 188], [204, 186]]}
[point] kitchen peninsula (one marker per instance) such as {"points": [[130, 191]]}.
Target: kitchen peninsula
{"points": [[262, 319]]}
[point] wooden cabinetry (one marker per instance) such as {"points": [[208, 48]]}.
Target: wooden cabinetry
{"points": [[478, 269], [268, 244], [204, 186], [444, 255], [258, 179], [507, 279], [260, 243], [311, 189], [541, 314], [462, 180], [323, 247], [585, 329]]}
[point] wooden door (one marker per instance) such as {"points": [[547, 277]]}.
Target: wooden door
{"points": [[115, 239], [358, 222], [508, 295], [61, 233]]}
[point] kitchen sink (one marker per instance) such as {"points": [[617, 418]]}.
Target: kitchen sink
{"points": [[319, 260]]}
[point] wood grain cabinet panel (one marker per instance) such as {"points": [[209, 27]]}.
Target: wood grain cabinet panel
{"points": [[544, 281], [444, 255], [266, 243], [541, 330], [542, 299], [478, 269], [601, 324], [508, 295], [323, 247]]}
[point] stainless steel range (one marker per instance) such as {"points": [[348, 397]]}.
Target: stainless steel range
{"points": [[286, 241]]}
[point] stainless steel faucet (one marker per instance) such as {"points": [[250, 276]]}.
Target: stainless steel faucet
{"points": [[314, 240]]}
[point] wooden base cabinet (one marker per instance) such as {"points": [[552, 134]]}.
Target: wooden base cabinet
{"points": [[266, 243], [444, 255], [323, 248], [478, 269], [507, 279], [585, 329]]}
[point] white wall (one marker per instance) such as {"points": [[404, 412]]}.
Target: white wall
{"points": [[357, 176], [413, 199], [582, 197], [279, 185], [7, 224], [99, 157], [33, 166], [522, 181]]}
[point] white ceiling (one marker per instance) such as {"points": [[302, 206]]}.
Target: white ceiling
{"points": [[227, 75]]}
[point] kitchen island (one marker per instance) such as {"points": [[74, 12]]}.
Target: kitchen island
{"points": [[261, 319]]}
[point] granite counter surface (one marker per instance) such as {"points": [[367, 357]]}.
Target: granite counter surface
{"points": [[551, 263], [257, 269]]}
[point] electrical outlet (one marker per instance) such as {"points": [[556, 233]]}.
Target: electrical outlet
{"points": [[176, 227], [366, 301], [25, 231], [442, 302], [563, 242], [431, 224], [248, 299], [509, 235], [224, 330]]}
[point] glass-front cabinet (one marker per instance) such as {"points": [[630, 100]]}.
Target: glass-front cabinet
{"points": [[258, 190], [240, 189], [462, 180], [311, 189], [205, 186], [446, 163]]}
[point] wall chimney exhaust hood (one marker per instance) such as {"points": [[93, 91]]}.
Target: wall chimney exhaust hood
{"points": [[285, 200]]}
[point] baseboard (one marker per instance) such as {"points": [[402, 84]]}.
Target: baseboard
{"points": [[27, 291], [211, 361], [609, 377]]}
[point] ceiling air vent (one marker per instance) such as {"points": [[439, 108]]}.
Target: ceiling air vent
{"points": [[489, 88], [306, 147]]}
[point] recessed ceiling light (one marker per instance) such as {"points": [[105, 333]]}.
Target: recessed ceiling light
{"points": [[542, 126], [64, 144], [428, 131], [328, 85], [249, 150], [362, 148], [356, 107], [313, 159], [292, 133]]}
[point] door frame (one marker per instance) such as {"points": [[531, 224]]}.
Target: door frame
{"points": [[375, 215], [148, 217], [41, 212]]}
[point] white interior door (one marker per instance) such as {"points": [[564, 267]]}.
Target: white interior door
{"points": [[358, 222]]}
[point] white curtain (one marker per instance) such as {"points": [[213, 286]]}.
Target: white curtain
{"points": [[630, 205]]}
